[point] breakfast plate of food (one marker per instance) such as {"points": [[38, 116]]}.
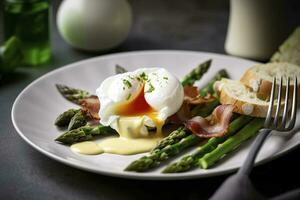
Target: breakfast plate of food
{"points": [[153, 114]]}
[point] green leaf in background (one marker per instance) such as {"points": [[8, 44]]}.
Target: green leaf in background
{"points": [[10, 55]]}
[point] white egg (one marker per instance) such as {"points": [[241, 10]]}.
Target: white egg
{"points": [[94, 24], [156, 87], [164, 90], [113, 91]]}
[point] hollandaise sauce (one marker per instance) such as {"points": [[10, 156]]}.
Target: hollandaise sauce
{"points": [[88, 147], [129, 142]]}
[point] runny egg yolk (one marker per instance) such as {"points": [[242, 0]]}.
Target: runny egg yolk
{"points": [[138, 107], [135, 107]]}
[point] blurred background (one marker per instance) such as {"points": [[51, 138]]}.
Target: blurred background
{"points": [[199, 25]]}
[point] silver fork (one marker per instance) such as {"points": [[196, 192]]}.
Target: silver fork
{"points": [[239, 186]]}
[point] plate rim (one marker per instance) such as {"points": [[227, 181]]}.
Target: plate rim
{"points": [[130, 175]]}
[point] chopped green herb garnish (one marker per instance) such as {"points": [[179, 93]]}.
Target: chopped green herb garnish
{"points": [[128, 97], [151, 88], [166, 78], [127, 83], [144, 76]]}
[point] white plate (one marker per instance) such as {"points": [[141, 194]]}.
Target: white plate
{"points": [[38, 105]]}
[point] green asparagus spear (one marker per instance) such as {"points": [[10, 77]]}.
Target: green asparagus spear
{"points": [[181, 132], [190, 161], [196, 73], [159, 155], [84, 133], [72, 94], [172, 138], [78, 120], [231, 143], [120, 70], [75, 95], [209, 87], [64, 118]]}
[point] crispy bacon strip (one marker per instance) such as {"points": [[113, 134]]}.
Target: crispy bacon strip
{"points": [[216, 126], [190, 91], [199, 100], [191, 98], [91, 106]]}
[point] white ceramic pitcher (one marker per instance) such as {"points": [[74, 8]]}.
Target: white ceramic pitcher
{"points": [[256, 28]]}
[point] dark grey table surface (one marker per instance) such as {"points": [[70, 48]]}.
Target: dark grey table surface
{"points": [[158, 24]]}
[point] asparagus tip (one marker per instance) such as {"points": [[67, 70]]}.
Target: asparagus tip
{"points": [[58, 86], [131, 167], [169, 169], [59, 139]]}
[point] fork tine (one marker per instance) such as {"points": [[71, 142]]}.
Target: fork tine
{"points": [[271, 103], [286, 104], [294, 105], [277, 114]]}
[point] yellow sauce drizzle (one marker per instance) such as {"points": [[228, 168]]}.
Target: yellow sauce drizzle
{"points": [[88, 147], [128, 146], [130, 141]]}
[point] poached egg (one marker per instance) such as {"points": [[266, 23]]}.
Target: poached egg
{"points": [[134, 102]]}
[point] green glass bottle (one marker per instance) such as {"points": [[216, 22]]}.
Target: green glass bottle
{"points": [[28, 20]]}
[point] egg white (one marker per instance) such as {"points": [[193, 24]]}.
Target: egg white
{"points": [[162, 91]]}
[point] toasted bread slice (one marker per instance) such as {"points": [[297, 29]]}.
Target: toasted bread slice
{"points": [[245, 101], [259, 78]]}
